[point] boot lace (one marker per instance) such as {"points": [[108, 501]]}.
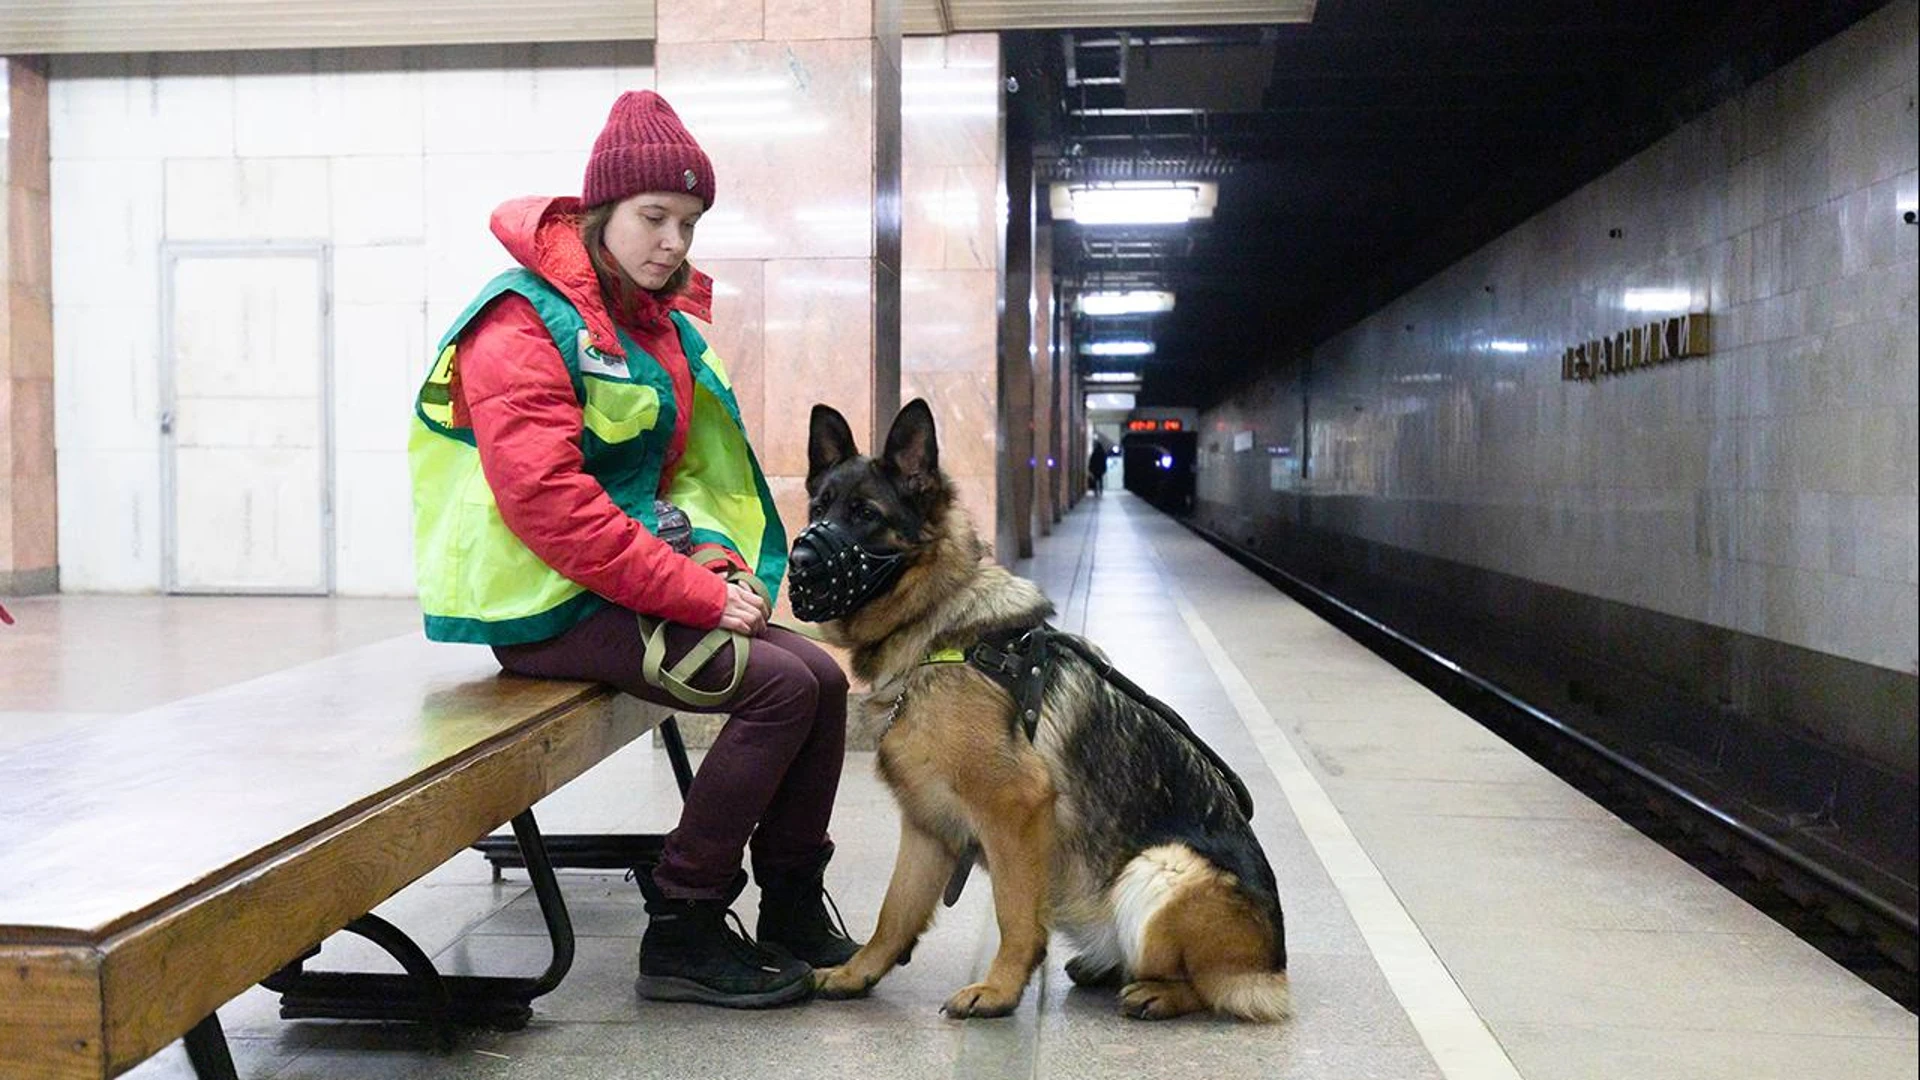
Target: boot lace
{"points": [[836, 923], [742, 945]]}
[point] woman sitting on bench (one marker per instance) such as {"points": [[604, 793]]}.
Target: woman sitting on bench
{"points": [[584, 488]]}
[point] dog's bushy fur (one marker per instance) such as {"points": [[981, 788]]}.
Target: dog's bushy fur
{"points": [[1108, 825]]}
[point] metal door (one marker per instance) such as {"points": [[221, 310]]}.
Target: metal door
{"points": [[247, 467]]}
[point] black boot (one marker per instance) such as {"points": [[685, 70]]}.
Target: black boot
{"points": [[793, 915], [689, 953]]}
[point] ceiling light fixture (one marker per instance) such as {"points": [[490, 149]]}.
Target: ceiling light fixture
{"points": [[1675, 300], [1113, 376], [1133, 202], [1120, 348], [1139, 302]]}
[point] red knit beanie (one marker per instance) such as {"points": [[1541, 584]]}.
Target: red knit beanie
{"points": [[644, 147]]}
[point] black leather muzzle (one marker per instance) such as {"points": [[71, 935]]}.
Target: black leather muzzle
{"points": [[831, 577]]}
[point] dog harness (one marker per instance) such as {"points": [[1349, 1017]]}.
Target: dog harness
{"points": [[1021, 660]]}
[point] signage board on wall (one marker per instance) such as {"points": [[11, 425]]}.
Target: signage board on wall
{"points": [[1663, 341]]}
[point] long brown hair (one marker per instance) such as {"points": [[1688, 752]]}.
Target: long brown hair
{"points": [[615, 286]]}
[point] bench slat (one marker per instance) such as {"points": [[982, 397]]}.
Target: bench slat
{"points": [[114, 819], [158, 864]]}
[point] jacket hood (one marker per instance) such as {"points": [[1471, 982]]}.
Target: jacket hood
{"points": [[542, 233]]}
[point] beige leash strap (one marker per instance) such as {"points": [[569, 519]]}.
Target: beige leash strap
{"points": [[678, 679]]}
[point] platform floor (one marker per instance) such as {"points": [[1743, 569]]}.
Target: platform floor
{"points": [[1453, 910]]}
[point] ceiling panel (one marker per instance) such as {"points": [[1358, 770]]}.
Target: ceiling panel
{"points": [[956, 16], [72, 26]]}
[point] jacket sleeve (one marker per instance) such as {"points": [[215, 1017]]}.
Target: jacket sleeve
{"points": [[527, 423]]}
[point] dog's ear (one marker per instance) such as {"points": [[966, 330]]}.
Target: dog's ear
{"points": [[912, 452], [829, 442]]}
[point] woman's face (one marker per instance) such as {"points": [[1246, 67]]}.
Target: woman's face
{"points": [[649, 234]]}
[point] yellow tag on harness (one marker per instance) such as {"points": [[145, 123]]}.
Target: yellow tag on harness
{"points": [[945, 656]]}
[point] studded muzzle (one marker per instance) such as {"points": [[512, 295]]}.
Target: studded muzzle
{"points": [[830, 576]]}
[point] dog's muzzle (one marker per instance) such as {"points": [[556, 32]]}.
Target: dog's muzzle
{"points": [[831, 577]]}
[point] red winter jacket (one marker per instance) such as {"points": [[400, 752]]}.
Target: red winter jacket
{"points": [[512, 388]]}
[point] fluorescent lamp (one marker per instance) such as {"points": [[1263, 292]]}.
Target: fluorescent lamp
{"points": [[1139, 302], [1110, 402], [1656, 299], [1120, 348], [1113, 376], [1507, 346], [1133, 203]]}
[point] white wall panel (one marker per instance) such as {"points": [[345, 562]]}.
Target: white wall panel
{"points": [[246, 199], [393, 158], [110, 519], [325, 103], [106, 232], [374, 544], [461, 252], [381, 353], [379, 274], [379, 199], [110, 350]]}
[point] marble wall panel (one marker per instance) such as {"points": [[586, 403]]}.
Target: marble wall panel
{"points": [[1767, 488], [802, 20], [790, 129], [738, 333], [28, 491], [736, 20], [818, 336], [950, 113]]}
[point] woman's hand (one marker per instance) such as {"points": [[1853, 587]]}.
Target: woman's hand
{"points": [[745, 613]]}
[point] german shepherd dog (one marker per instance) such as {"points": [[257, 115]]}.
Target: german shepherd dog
{"points": [[1107, 823]]}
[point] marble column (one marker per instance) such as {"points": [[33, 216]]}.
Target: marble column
{"points": [[1013, 536], [798, 104], [28, 554], [1045, 459], [950, 175]]}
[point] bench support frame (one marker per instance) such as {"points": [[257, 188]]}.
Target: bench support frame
{"points": [[422, 993], [600, 851]]}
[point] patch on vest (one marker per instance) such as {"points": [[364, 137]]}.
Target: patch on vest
{"points": [[594, 362]]}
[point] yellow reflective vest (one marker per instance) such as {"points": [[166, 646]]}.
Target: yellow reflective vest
{"points": [[477, 581]]}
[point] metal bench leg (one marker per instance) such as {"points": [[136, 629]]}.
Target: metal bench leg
{"points": [[423, 994], [677, 755], [601, 851], [207, 1050]]}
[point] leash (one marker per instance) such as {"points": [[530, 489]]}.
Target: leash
{"points": [[678, 679]]}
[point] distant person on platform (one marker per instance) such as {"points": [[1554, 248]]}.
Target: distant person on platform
{"points": [[1097, 467]]}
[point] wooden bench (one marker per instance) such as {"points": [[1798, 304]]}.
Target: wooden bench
{"points": [[155, 865]]}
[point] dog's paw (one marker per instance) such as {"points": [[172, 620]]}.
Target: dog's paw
{"points": [[838, 983], [1153, 999], [1088, 972], [979, 1001]]}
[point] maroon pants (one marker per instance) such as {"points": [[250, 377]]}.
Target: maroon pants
{"points": [[771, 774]]}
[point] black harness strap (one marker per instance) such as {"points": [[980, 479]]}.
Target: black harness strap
{"points": [[1021, 660]]}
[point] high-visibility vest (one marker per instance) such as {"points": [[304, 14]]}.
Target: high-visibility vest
{"points": [[477, 581]]}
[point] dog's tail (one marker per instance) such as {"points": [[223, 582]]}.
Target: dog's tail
{"points": [[1260, 996]]}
